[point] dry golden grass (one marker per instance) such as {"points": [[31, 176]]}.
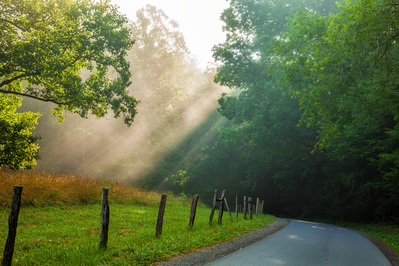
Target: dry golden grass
{"points": [[41, 188]]}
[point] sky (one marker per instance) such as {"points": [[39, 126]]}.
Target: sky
{"points": [[199, 21]]}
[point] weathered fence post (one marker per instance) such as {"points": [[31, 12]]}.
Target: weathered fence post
{"points": [[250, 207], [161, 212], [104, 219], [236, 205], [12, 226], [227, 207], [257, 207], [213, 206], [245, 207], [221, 200], [262, 206], [193, 210]]}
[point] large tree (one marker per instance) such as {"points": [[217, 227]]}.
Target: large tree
{"points": [[45, 45]]}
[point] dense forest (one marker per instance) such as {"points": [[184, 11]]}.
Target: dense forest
{"points": [[300, 108]]}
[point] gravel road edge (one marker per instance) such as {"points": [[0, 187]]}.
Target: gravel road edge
{"points": [[208, 254]]}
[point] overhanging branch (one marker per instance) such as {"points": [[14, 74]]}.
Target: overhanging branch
{"points": [[12, 23], [2, 84], [31, 96]]}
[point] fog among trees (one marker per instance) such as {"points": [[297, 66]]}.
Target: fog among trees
{"points": [[300, 108]]}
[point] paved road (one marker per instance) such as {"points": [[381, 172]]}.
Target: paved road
{"points": [[308, 244]]}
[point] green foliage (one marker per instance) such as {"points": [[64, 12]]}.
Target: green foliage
{"points": [[340, 91], [44, 46], [18, 147], [342, 67]]}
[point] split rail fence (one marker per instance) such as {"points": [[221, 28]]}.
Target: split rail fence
{"points": [[248, 207]]}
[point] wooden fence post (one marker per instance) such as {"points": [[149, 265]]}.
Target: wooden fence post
{"points": [[221, 200], [250, 207], [257, 207], [227, 207], [261, 206], [193, 210], [236, 205], [245, 207], [12, 226], [213, 206], [104, 219], [161, 212]]}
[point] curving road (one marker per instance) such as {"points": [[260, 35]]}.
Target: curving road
{"points": [[308, 244]]}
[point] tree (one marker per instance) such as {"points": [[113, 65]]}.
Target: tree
{"points": [[18, 147], [159, 63], [343, 70], [44, 48], [45, 45], [264, 114]]}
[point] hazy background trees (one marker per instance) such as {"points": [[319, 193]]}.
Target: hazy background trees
{"points": [[174, 94]]}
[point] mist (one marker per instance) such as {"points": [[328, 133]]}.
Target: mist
{"points": [[175, 97]]}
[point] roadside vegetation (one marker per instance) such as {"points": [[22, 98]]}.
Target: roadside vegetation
{"points": [[59, 222], [386, 232]]}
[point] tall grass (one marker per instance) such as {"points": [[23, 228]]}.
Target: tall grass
{"points": [[51, 231], [41, 188]]}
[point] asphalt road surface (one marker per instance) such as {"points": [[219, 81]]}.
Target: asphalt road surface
{"points": [[307, 244]]}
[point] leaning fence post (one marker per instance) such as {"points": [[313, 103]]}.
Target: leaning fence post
{"points": [[236, 205], [193, 210], [257, 207], [12, 226], [261, 206], [213, 206], [250, 207], [104, 219], [227, 207], [161, 212], [221, 200], [245, 207]]}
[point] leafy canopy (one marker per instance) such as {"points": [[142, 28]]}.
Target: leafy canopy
{"points": [[68, 52], [344, 68], [44, 45]]}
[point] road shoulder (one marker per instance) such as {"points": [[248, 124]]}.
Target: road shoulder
{"points": [[389, 252], [208, 254]]}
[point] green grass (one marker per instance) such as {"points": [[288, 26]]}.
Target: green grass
{"points": [[69, 235]]}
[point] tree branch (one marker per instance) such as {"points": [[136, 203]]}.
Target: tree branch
{"points": [[12, 23], [31, 96], [2, 84]]}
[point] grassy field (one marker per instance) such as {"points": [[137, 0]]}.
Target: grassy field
{"points": [[54, 229]]}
